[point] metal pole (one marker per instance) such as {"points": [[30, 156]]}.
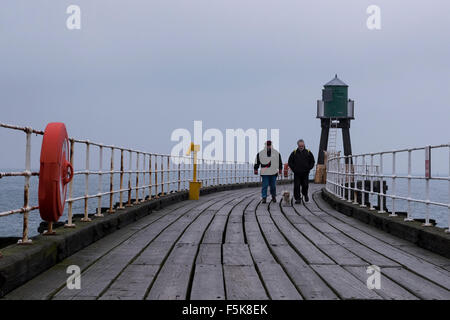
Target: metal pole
{"points": [[130, 166], [381, 204], [111, 183], [136, 201], [121, 181], [100, 174], [86, 189], [69, 223], [26, 205], [394, 178], [408, 214]]}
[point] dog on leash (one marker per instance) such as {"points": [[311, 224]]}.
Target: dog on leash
{"points": [[286, 199]]}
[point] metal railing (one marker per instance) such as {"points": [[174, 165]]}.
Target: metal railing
{"points": [[350, 176], [142, 176]]}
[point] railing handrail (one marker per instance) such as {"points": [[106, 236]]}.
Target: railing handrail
{"points": [[153, 173], [345, 180]]}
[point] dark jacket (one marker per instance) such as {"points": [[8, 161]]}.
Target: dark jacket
{"points": [[301, 161]]}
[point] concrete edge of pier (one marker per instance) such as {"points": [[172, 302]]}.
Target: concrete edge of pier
{"points": [[431, 238], [20, 263]]}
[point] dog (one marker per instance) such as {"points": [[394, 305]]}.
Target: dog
{"points": [[286, 199]]}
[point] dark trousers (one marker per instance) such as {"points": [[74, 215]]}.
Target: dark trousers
{"points": [[300, 180], [269, 181]]}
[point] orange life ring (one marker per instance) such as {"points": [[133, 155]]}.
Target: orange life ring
{"points": [[55, 172]]}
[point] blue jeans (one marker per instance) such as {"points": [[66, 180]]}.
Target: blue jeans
{"points": [[269, 181]]}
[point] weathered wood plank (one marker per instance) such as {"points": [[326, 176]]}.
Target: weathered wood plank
{"points": [[208, 283], [132, 283], [418, 285], [341, 255], [236, 254], [171, 283], [243, 283], [215, 231], [209, 254], [305, 279], [388, 288], [344, 283], [277, 283]]}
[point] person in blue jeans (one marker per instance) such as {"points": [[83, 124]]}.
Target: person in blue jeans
{"points": [[270, 162]]}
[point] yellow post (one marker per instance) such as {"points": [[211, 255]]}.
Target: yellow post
{"points": [[194, 186]]}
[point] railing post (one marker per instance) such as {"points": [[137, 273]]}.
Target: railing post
{"points": [[448, 207], [136, 201], [69, 223], [121, 181], [111, 183], [156, 177], [168, 173], [394, 178], [150, 196], [26, 196], [381, 197], [372, 171], [427, 188], [100, 174], [130, 167], [144, 156], [408, 213], [86, 189]]}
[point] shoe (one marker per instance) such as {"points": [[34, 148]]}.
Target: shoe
{"points": [[306, 198], [274, 199], [263, 200], [298, 201]]}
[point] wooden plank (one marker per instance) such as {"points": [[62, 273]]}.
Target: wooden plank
{"points": [[234, 233], [132, 283], [344, 283], [208, 283], [388, 288], [313, 235], [301, 244], [272, 235], [194, 233], [243, 283], [171, 283], [183, 253], [155, 253], [277, 283], [236, 254], [215, 231], [341, 255], [426, 255], [418, 285], [307, 282], [209, 254], [261, 253]]}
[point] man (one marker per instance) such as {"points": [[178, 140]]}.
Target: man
{"points": [[301, 161], [270, 161]]}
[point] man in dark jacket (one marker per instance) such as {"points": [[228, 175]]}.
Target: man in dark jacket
{"points": [[301, 161]]}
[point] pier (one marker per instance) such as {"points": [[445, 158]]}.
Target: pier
{"points": [[150, 242]]}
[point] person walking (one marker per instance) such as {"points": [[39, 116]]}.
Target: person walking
{"points": [[301, 161], [270, 161]]}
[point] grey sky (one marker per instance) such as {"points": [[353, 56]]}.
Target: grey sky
{"points": [[137, 70]]}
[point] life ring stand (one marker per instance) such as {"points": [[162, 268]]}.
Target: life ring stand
{"points": [[55, 173]]}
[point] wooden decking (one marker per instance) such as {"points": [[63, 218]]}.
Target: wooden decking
{"points": [[228, 245]]}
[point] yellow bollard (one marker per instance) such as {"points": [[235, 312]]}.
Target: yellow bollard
{"points": [[194, 186]]}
